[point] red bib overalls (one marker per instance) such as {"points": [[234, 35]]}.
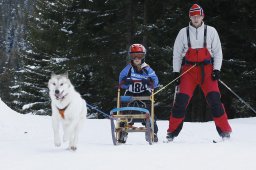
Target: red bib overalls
{"points": [[200, 75]]}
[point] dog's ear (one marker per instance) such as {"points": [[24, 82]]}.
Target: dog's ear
{"points": [[66, 74], [53, 74]]}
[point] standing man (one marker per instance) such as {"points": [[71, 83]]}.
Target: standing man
{"points": [[197, 44]]}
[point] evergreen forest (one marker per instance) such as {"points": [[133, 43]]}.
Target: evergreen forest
{"points": [[89, 39]]}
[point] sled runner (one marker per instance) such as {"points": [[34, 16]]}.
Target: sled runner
{"points": [[131, 110]]}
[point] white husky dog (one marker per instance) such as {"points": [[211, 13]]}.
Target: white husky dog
{"points": [[68, 108]]}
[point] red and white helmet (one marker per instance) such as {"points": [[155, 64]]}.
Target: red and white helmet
{"points": [[137, 48], [137, 51]]}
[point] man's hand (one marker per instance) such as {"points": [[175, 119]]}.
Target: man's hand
{"points": [[176, 74], [215, 75]]}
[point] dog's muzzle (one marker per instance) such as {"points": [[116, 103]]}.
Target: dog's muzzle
{"points": [[59, 95]]}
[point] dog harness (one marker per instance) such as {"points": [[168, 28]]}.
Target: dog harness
{"points": [[62, 111]]}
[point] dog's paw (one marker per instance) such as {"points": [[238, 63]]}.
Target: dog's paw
{"points": [[73, 148], [57, 144], [57, 141]]}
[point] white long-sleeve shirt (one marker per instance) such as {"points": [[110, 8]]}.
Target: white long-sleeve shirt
{"points": [[197, 41]]}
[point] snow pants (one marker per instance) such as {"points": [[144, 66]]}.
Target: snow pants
{"points": [[188, 83]]}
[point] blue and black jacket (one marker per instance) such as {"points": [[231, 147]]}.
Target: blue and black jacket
{"points": [[137, 86]]}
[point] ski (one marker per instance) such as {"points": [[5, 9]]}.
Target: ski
{"points": [[220, 140], [167, 141], [215, 141]]}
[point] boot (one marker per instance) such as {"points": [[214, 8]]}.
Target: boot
{"points": [[123, 137], [169, 137], [155, 138], [225, 135]]}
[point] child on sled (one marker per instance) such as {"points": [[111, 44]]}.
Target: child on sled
{"points": [[138, 78]]}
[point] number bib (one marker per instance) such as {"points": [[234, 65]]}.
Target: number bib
{"points": [[137, 87]]}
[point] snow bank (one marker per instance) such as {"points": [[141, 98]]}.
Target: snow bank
{"points": [[8, 116]]}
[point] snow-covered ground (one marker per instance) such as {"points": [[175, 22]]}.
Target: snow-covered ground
{"points": [[26, 143]]}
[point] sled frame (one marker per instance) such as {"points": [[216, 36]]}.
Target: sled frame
{"points": [[118, 115]]}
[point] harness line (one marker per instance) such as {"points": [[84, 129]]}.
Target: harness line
{"points": [[95, 108], [173, 80]]}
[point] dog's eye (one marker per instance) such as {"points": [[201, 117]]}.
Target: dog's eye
{"points": [[61, 84], [54, 84]]}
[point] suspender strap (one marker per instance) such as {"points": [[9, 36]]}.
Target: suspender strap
{"points": [[205, 36], [188, 37], [205, 33], [129, 72]]}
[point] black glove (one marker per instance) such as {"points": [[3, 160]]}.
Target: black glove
{"points": [[146, 81], [176, 74], [215, 75], [127, 80]]}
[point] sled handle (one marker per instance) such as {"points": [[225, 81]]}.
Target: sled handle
{"points": [[128, 109]]}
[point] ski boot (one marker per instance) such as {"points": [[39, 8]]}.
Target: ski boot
{"points": [[225, 135], [155, 138], [169, 137], [123, 135]]}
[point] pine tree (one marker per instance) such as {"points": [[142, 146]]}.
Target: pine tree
{"points": [[48, 38]]}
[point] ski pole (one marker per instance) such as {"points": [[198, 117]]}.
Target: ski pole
{"points": [[237, 96], [175, 93], [174, 80]]}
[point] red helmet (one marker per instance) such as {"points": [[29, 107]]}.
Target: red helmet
{"points": [[137, 48], [137, 51]]}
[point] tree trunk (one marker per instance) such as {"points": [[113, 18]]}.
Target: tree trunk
{"points": [[130, 25], [145, 22]]}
